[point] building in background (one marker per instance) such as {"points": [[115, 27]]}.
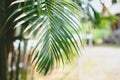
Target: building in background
{"points": [[114, 9]]}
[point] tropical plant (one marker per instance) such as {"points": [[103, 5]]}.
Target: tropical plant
{"points": [[49, 24]]}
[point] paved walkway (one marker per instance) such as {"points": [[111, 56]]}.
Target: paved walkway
{"points": [[100, 63]]}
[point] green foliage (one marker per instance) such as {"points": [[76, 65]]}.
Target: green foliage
{"points": [[100, 20], [114, 1], [49, 22], [100, 34]]}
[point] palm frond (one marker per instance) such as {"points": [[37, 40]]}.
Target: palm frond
{"points": [[50, 21]]}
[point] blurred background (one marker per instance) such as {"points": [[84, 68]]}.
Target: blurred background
{"points": [[99, 31]]}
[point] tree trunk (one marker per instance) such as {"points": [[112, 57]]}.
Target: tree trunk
{"points": [[3, 61], [3, 54], [4, 38]]}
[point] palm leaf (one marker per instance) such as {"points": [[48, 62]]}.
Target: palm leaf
{"points": [[50, 21]]}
